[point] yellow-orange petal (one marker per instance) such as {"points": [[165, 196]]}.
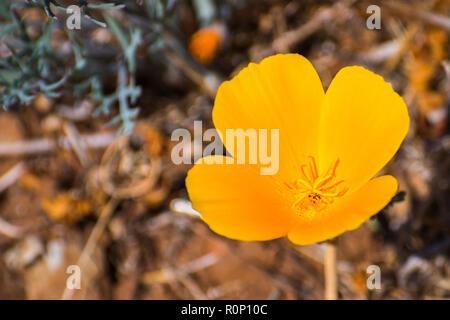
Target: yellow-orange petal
{"points": [[236, 201], [347, 213], [363, 123], [282, 92]]}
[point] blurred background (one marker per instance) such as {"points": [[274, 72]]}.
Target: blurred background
{"points": [[86, 176]]}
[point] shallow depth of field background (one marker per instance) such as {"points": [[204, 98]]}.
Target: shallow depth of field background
{"points": [[54, 185]]}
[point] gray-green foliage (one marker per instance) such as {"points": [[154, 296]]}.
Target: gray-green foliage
{"points": [[30, 65]]}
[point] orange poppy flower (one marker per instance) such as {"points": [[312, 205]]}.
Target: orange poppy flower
{"points": [[330, 148], [205, 43]]}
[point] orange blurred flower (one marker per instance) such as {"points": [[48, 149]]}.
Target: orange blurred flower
{"points": [[330, 148], [205, 43]]}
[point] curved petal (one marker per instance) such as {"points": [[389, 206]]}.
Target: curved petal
{"points": [[236, 201], [347, 213], [363, 123], [283, 92]]}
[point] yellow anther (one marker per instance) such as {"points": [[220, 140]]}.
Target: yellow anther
{"points": [[312, 191]]}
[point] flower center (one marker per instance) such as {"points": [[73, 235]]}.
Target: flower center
{"points": [[314, 191]]}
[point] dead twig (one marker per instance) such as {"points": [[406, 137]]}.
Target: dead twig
{"points": [[8, 179], [11, 176], [189, 283], [412, 12], [99, 227], [78, 145], [169, 274], [184, 206], [287, 40], [10, 230], [46, 145], [209, 83]]}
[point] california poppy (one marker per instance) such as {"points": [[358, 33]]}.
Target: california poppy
{"points": [[330, 148], [206, 42]]}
